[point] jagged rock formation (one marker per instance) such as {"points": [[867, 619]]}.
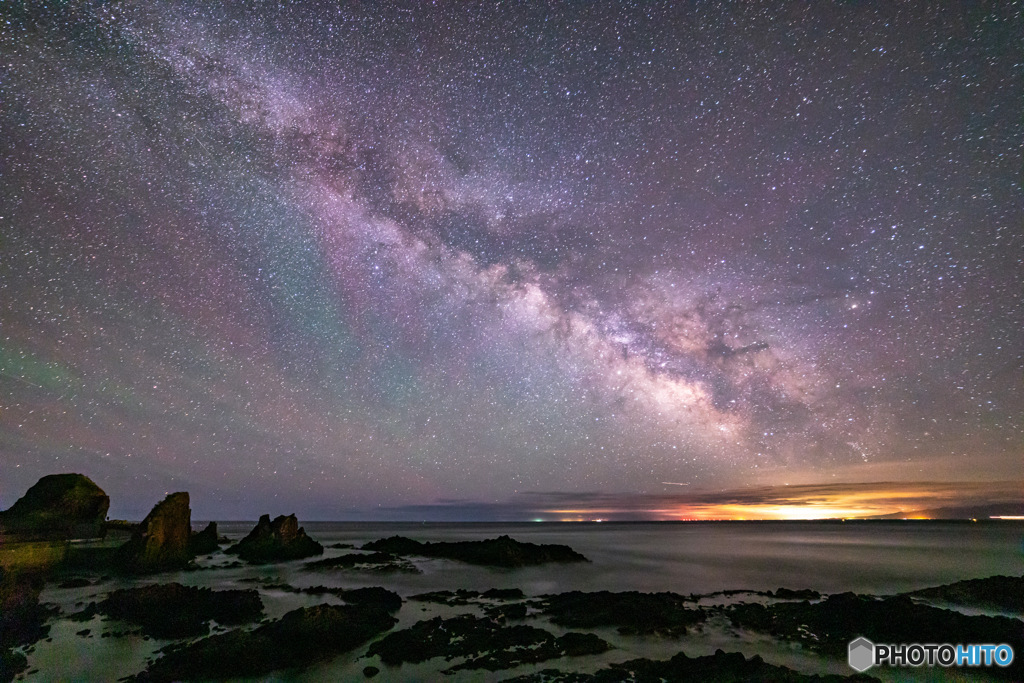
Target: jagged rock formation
{"points": [[58, 506], [205, 541], [161, 542], [277, 541]]}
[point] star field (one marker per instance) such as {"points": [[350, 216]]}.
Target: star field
{"points": [[337, 259]]}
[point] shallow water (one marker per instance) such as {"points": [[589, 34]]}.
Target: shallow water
{"points": [[878, 558]]}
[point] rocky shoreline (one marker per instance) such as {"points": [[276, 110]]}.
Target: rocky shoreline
{"points": [[213, 634]]}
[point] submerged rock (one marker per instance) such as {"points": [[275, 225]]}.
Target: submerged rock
{"points": [[494, 552], [277, 541], [468, 597], [176, 611], [299, 638], [632, 612], [485, 644], [721, 667], [370, 596], [205, 541], [375, 562], [58, 506], [161, 541], [503, 611]]}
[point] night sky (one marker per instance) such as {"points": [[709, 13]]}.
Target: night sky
{"points": [[362, 261]]}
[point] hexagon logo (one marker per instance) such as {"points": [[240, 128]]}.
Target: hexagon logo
{"points": [[862, 654]]}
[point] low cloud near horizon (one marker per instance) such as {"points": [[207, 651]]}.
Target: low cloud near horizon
{"points": [[806, 501]]}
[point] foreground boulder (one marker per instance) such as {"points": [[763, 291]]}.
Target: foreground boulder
{"points": [[58, 506], [277, 541], [299, 638], [161, 541], [205, 541], [502, 551], [176, 611]]}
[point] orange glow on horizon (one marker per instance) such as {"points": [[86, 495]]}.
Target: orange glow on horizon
{"points": [[894, 500]]}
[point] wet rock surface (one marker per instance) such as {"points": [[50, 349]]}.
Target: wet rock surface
{"points": [[484, 644], [276, 541], [161, 542], [502, 551], [631, 612], [468, 597], [372, 596], [828, 626], [372, 562], [175, 611], [721, 667], [58, 506], [299, 638], [995, 592]]}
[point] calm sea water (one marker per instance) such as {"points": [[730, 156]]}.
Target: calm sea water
{"points": [[877, 558], [881, 557]]}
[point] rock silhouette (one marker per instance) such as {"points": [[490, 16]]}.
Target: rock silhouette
{"points": [[161, 541], [58, 506], [205, 541], [277, 541]]}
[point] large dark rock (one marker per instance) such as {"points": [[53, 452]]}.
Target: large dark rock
{"points": [[176, 611], [299, 638], [161, 542], [58, 506], [485, 644], [277, 541], [633, 613], [205, 541], [996, 592], [502, 551]]}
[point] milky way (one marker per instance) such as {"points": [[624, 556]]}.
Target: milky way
{"points": [[343, 259]]}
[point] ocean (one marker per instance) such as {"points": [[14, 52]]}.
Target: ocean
{"points": [[687, 558]]}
